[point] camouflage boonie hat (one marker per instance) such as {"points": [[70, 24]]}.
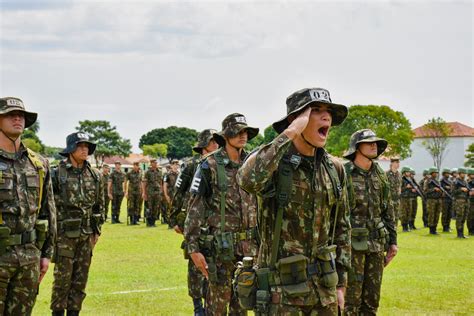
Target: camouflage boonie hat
{"points": [[395, 158], [426, 171], [432, 170], [203, 139], [446, 170], [303, 98], [75, 138], [470, 171], [454, 170], [462, 170], [364, 136], [10, 104], [406, 169], [232, 125], [413, 172]]}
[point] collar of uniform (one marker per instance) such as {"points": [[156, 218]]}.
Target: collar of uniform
{"points": [[69, 165], [12, 156], [362, 171], [307, 162], [225, 157]]}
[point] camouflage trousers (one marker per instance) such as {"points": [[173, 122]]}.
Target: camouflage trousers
{"points": [[220, 294], [424, 212], [18, 287], [434, 207], [106, 205], [116, 204], [408, 207], [446, 213], [365, 281], [197, 283], [154, 204], [396, 210], [470, 217], [290, 310], [71, 271], [134, 204], [461, 207]]}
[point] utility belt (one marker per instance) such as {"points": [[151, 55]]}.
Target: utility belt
{"points": [[292, 282], [463, 196], [73, 227], [434, 196], [361, 235], [38, 235]]}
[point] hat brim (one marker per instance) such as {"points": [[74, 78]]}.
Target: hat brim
{"points": [[381, 147], [199, 147], [30, 117], [252, 132], [70, 149], [338, 112]]}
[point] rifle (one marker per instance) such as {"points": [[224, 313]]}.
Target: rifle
{"points": [[436, 184], [416, 187]]}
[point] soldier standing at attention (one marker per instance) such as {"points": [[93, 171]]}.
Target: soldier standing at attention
{"points": [[372, 221], [461, 201], [105, 181], [169, 181], [434, 199], [152, 184], [470, 184], [395, 181], [407, 198], [27, 214], [78, 192], [133, 193], [305, 250], [447, 202], [116, 191], [197, 283], [453, 178], [424, 214], [227, 213]]}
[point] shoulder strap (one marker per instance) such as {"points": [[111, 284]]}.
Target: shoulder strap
{"points": [[222, 184], [385, 185], [350, 189], [328, 164], [96, 176], [40, 168]]}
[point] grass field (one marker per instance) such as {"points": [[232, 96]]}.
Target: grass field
{"points": [[140, 271]]}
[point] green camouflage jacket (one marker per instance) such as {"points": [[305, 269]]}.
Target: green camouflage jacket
{"points": [[152, 179], [395, 181], [310, 215], [204, 208], [429, 187], [371, 204], [406, 191], [117, 179], [19, 199], [79, 194], [170, 178], [458, 193], [134, 179]]}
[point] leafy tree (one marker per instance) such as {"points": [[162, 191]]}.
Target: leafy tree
{"points": [[437, 131], [470, 156], [155, 150], [180, 140], [31, 138], [269, 134], [254, 143], [108, 140], [32, 144], [385, 122], [53, 152]]}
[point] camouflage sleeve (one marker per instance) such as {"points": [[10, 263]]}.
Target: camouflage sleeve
{"points": [[100, 203], [258, 168], [182, 186], [388, 218], [48, 212]]}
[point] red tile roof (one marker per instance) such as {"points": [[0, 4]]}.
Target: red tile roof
{"points": [[457, 130]]}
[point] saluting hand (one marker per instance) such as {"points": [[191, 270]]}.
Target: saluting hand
{"points": [[298, 124]]}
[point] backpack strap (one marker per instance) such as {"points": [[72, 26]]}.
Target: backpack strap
{"points": [[36, 161], [96, 176], [385, 185], [222, 184], [336, 184]]}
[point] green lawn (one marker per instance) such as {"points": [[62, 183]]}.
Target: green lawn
{"points": [[140, 271]]}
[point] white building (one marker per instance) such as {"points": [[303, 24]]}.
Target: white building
{"points": [[460, 138]]}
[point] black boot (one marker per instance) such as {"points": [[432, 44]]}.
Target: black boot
{"points": [[198, 308], [405, 228], [412, 225], [433, 230], [461, 234], [117, 219], [58, 313], [446, 229], [137, 220], [72, 313], [148, 222]]}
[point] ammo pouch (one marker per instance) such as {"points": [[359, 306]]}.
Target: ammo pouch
{"points": [[224, 245], [185, 250], [72, 227], [359, 239], [96, 221], [246, 288], [41, 227], [180, 219], [293, 275], [326, 266], [381, 233], [4, 239]]}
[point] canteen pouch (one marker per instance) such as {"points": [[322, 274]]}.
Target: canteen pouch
{"points": [[4, 237], [326, 263], [96, 222], [41, 227], [246, 288], [212, 272], [206, 245], [263, 295], [72, 227], [292, 270], [180, 219], [359, 238], [382, 233], [224, 245]]}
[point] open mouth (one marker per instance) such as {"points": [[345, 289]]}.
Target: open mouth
{"points": [[323, 131]]}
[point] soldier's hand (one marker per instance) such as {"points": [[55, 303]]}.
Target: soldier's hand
{"points": [[341, 293], [94, 240], [413, 190], [44, 265], [200, 263], [126, 195], [437, 189], [144, 197], [177, 229], [298, 124], [391, 253], [464, 189], [409, 186], [110, 197]]}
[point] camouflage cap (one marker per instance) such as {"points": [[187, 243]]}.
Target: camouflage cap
{"points": [[10, 104], [406, 169], [203, 139], [413, 172], [462, 170], [175, 161], [426, 171], [454, 170], [299, 100], [395, 158], [431, 170], [75, 138], [364, 136], [446, 170], [232, 125], [470, 171]]}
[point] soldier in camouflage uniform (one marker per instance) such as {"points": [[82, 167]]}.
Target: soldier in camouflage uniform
{"points": [[303, 219], [133, 193], [78, 192], [169, 181], [116, 191], [27, 214], [105, 181], [461, 201], [226, 212], [453, 178], [408, 199], [197, 283], [447, 201], [434, 199], [470, 217], [372, 221], [424, 214], [152, 184], [395, 181]]}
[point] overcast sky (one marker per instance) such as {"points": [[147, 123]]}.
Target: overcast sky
{"points": [[149, 64]]}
